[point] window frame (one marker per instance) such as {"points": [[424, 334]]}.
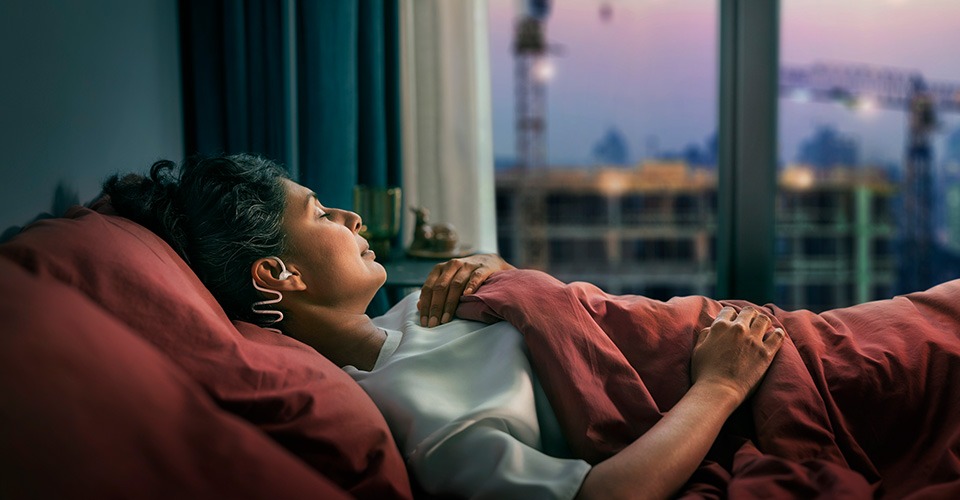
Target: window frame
{"points": [[747, 137]]}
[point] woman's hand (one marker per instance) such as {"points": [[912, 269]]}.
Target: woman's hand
{"points": [[735, 351], [728, 362], [450, 280]]}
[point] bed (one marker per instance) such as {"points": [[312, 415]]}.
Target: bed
{"points": [[122, 377]]}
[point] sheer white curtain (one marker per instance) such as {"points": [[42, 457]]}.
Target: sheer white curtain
{"points": [[447, 137]]}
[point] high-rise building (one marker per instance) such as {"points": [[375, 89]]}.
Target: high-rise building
{"points": [[828, 148]]}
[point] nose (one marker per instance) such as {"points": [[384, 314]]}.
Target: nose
{"points": [[353, 221]]}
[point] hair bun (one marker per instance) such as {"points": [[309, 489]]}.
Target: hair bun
{"points": [[220, 214], [152, 202]]}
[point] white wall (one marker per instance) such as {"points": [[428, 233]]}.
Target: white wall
{"points": [[88, 88]]}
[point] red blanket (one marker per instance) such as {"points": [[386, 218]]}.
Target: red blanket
{"points": [[859, 402]]}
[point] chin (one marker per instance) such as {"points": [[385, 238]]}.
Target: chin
{"points": [[383, 276]]}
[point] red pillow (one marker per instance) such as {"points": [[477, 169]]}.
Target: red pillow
{"points": [[284, 387], [91, 410]]}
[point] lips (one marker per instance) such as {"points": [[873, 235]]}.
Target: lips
{"points": [[365, 246]]}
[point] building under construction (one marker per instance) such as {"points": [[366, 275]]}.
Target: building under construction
{"points": [[651, 230]]}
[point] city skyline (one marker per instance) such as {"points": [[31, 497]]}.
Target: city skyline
{"points": [[665, 99]]}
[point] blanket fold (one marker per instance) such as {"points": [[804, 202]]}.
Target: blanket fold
{"points": [[859, 402]]}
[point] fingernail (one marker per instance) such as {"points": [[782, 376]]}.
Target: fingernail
{"points": [[468, 290], [433, 322], [445, 318], [423, 321]]}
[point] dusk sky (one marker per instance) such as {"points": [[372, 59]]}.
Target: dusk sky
{"points": [[650, 70]]}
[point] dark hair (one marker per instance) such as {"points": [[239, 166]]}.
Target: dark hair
{"points": [[220, 214]]}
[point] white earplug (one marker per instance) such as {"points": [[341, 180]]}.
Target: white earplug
{"points": [[284, 274]]}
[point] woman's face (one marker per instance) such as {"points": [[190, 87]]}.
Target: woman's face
{"points": [[326, 249]]}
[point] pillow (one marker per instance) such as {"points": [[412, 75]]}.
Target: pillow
{"points": [[91, 410], [284, 387]]}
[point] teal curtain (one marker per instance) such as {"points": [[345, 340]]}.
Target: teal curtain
{"points": [[313, 84], [349, 97], [238, 97], [231, 57]]}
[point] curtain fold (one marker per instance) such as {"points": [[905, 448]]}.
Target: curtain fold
{"points": [[371, 112], [232, 77], [447, 140], [327, 63]]}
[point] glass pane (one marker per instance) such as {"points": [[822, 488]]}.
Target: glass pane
{"points": [[869, 200], [605, 141]]}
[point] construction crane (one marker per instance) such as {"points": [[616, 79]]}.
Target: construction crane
{"points": [[869, 86], [532, 72]]}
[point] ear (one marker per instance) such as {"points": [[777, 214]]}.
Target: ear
{"points": [[266, 272]]}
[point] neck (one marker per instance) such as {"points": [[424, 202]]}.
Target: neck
{"points": [[345, 338]]}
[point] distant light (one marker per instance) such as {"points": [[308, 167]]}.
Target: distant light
{"points": [[798, 177], [801, 95], [612, 182], [543, 70], [866, 104]]}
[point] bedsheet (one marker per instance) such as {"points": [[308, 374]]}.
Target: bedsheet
{"points": [[860, 402]]}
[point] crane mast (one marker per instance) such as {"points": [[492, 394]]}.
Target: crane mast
{"points": [[531, 76]]}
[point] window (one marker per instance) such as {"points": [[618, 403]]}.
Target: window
{"points": [[605, 130], [605, 119], [869, 141]]}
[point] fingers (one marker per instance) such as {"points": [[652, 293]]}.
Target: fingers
{"points": [[755, 321], [761, 324], [478, 276], [444, 287], [748, 320], [426, 294], [432, 308], [774, 341], [454, 290], [449, 281], [726, 314], [746, 316], [702, 336]]}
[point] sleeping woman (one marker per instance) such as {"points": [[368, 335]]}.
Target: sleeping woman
{"points": [[579, 394], [461, 398]]}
